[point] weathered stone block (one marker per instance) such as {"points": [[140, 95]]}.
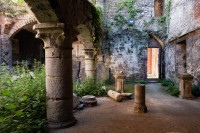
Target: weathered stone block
{"points": [[185, 86], [119, 82], [58, 87], [58, 67]]}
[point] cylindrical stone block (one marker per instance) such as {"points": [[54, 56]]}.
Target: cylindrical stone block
{"points": [[139, 105], [115, 95]]}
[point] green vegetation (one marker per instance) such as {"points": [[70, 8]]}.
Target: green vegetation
{"points": [[15, 2], [170, 88], [89, 86], [195, 90], [120, 21], [97, 28], [167, 13], [22, 99], [146, 24], [10, 11], [128, 88]]}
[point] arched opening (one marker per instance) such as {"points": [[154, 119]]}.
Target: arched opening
{"points": [[25, 47], [154, 59]]}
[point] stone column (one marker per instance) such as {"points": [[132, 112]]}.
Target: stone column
{"points": [[58, 59], [89, 62], [139, 105], [119, 82], [185, 86]]}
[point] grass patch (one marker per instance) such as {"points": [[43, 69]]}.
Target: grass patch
{"points": [[128, 88]]}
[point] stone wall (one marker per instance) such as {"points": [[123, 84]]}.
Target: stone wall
{"points": [[185, 17], [125, 47], [175, 56]]}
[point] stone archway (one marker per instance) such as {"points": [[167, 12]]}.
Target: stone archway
{"points": [[154, 57]]}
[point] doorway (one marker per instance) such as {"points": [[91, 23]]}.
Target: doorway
{"points": [[152, 63]]}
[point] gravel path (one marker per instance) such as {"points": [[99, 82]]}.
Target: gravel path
{"points": [[166, 114]]}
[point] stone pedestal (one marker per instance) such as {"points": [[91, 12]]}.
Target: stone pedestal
{"points": [[59, 89], [139, 105], [89, 62], [185, 86], [89, 100], [119, 82]]}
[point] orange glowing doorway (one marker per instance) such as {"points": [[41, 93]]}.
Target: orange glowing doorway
{"points": [[152, 63]]}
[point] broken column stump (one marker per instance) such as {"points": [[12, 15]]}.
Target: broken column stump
{"points": [[185, 86], [89, 100], [115, 95], [119, 82], [139, 105]]}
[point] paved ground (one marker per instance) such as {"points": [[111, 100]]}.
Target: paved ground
{"points": [[166, 114]]}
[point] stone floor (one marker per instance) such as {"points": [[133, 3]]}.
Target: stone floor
{"points": [[166, 114]]}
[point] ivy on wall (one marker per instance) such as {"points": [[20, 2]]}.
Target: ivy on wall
{"points": [[97, 28], [167, 12], [120, 21], [8, 8]]}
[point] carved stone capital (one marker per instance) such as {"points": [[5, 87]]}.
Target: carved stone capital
{"points": [[51, 33]]}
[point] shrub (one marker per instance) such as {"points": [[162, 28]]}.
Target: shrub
{"points": [[142, 82], [175, 92], [22, 99], [165, 82], [89, 87], [195, 90]]}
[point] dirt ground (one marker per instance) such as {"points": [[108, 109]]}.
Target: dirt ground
{"points": [[166, 114]]}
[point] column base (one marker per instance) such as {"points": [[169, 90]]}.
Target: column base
{"points": [[60, 125], [138, 108], [187, 97]]}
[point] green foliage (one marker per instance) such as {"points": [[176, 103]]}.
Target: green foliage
{"points": [[162, 20], [128, 88], [167, 12], [174, 91], [89, 87], [165, 82], [22, 99], [10, 11], [141, 82], [15, 2], [120, 21], [97, 25], [195, 90], [146, 24]]}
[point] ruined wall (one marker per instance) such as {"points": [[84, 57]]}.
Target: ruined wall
{"points": [[78, 59], [125, 46], [185, 17], [182, 53], [175, 56]]}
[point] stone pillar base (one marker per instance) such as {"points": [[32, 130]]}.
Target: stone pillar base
{"points": [[60, 125], [187, 97], [138, 108], [185, 86]]}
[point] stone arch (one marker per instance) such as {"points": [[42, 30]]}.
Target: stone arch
{"points": [[86, 36], [154, 57], [158, 40], [24, 21]]}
